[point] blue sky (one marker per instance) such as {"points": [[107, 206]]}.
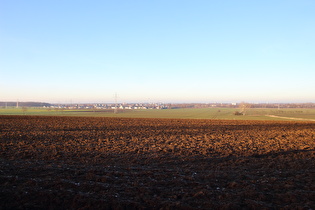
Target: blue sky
{"points": [[157, 51]]}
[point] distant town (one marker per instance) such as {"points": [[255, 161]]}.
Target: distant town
{"points": [[133, 106]]}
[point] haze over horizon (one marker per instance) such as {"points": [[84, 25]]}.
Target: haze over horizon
{"points": [[157, 51]]}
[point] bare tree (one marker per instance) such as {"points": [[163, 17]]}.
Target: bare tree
{"points": [[243, 107], [24, 109]]}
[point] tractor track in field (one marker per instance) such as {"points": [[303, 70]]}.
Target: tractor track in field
{"points": [[290, 118]]}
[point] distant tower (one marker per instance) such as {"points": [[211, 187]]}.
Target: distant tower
{"points": [[17, 104]]}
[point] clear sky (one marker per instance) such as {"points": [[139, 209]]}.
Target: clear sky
{"points": [[157, 50]]}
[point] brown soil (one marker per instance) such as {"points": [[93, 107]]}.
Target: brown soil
{"points": [[119, 163]]}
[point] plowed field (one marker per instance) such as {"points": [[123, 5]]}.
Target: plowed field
{"points": [[117, 163]]}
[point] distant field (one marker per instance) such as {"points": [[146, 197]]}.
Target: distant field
{"points": [[204, 113]]}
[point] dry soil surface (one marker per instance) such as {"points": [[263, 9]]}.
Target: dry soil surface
{"points": [[115, 163]]}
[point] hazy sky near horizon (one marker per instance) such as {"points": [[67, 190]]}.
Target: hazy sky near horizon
{"points": [[157, 51]]}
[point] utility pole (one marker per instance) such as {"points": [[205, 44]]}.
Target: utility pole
{"points": [[116, 108], [17, 104]]}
